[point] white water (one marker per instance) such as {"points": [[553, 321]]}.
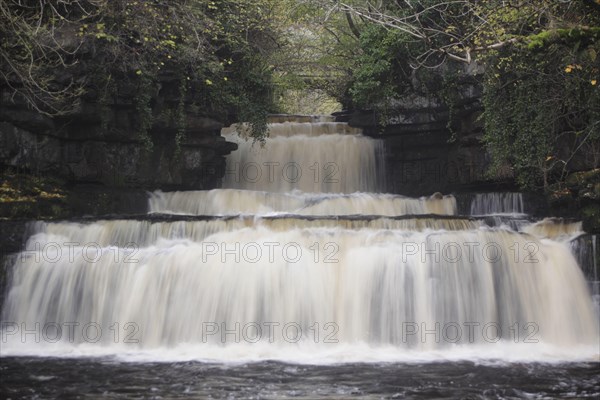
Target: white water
{"points": [[120, 233], [235, 202], [175, 290], [324, 157], [554, 228], [295, 280], [497, 203]]}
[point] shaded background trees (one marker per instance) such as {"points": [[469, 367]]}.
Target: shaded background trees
{"points": [[536, 60]]}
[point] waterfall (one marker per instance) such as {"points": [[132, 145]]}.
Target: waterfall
{"points": [[119, 233], [322, 157], [586, 249], [366, 282], [234, 202], [497, 203], [310, 269], [554, 228]]}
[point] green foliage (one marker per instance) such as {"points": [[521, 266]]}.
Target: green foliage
{"points": [[450, 94], [180, 118], [212, 44], [380, 74], [542, 108], [24, 188], [143, 110], [31, 53], [313, 63], [541, 79], [107, 94], [580, 36], [383, 73]]}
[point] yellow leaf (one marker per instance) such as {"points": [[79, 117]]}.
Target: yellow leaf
{"points": [[568, 69], [593, 82]]}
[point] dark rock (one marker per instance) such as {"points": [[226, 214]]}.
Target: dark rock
{"points": [[578, 197], [25, 118], [100, 143], [431, 148], [14, 234], [97, 200], [6, 268], [342, 116], [24, 149], [591, 218], [199, 125]]}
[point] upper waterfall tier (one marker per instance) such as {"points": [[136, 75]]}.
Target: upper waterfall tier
{"points": [[318, 157], [280, 118], [287, 129], [235, 202]]}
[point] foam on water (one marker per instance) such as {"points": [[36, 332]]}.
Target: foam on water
{"points": [[174, 291], [498, 354], [554, 228], [235, 202]]}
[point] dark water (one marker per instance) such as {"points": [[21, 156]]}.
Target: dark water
{"points": [[40, 378]]}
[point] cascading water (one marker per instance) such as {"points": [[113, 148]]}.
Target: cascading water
{"points": [[234, 202], [497, 203], [305, 267], [587, 251], [338, 160]]}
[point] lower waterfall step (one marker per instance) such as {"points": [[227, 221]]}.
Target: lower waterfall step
{"points": [[367, 284]]}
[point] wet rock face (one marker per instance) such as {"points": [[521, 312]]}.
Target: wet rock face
{"points": [[14, 234], [430, 148], [80, 149], [579, 197]]}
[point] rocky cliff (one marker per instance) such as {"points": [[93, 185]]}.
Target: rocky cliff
{"points": [[77, 148], [98, 155], [431, 146]]}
